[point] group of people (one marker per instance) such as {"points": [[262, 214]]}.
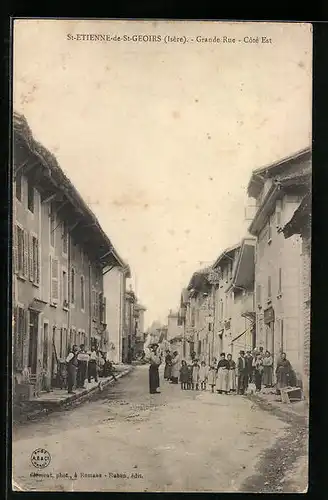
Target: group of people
{"points": [[224, 375], [227, 376], [85, 365]]}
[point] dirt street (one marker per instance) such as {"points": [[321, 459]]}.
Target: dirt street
{"points": [[129, 440]]}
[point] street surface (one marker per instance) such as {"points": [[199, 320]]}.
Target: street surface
{"points": [[173, 441]]}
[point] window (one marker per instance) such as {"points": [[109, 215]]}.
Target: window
{"points": [[279, 280], [30, 196], [18, 183], [282, 334], [278, 212], [65, 288], [221, 309], [269, 287], [63, 342], [259, 295], [20, 250], [34, 260], [54, 269], [72, 285], [100, 306], [20, 332], [65, 237], [52, 216], [82, 293], [269, 230]]}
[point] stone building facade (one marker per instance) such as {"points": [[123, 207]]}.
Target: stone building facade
{"points": [[300, 223], [278, 190], [59, 255]]}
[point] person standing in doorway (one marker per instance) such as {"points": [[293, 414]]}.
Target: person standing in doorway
{"points": [[241, 373], [72, 364], [267, 370]]}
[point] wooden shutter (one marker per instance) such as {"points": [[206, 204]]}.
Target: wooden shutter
{"points": [[104, 310], [15, 249], [25, 259], [258, 295], [54, 280], [30, 258], [38, 262]]}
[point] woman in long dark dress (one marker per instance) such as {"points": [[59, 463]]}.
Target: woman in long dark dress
{"points": [[154, 358], [168, 365], [283, 372]]}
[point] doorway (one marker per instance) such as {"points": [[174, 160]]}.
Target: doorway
{"points": [[45, 356], [33, 341], [270, 338]]}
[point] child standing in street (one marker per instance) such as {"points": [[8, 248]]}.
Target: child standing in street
{"points": [[203, 373], [184, 374], [211, 378], [189, 383], [195, 375]]}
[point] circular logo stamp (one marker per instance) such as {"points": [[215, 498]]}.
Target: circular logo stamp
{"points": [[40, 458]]}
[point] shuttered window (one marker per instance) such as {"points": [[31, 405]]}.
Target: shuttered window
{"points": [[19, 251], [18, 183], [278, 212], [52, 224], [34, 259], [82, 292], [279, 280], [65, 288], [20, 334], [26, 258], [269, 287], [54, 267], [30, 196], [65, 237], [72, 285], [259, 295]]}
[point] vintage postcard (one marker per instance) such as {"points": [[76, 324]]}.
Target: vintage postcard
{"points": [[161, 255]]}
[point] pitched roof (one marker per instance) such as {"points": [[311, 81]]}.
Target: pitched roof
{"points": [[301, 218], [260, 174], [23, 133]]}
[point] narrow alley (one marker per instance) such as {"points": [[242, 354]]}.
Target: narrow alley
{"points": [[130, 440]]}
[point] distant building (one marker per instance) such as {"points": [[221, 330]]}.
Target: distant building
{"points": [[115, 289], [278, 190], [234, 328]]}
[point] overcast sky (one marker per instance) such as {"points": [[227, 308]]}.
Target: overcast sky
{"points": [[160, 139]]}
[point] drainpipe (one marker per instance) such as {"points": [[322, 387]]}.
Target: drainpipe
{"points": [[90, 305], [69, 286]]}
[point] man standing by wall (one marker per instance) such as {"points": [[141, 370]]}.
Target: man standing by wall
{"points": [[241, 372]]}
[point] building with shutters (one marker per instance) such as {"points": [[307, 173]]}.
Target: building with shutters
{"points": [[60, 254], [234, 318], [278, 190]]}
